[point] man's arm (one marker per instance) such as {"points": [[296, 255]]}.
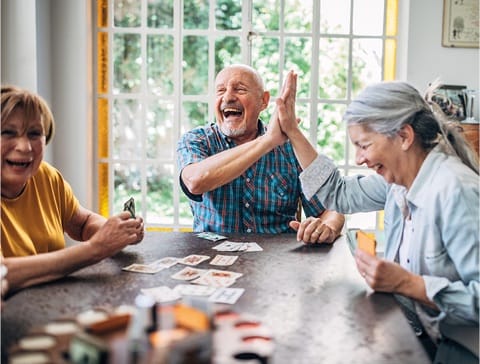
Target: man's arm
{"points": [[223, 167]]}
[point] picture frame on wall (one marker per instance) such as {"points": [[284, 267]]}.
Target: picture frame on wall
{"points": [[460, 23], [450, 98]]}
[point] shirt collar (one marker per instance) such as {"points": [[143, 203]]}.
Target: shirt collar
{"points": [[422, 183]]}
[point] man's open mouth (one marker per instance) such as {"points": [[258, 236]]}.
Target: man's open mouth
{"points": [[230, 111]]}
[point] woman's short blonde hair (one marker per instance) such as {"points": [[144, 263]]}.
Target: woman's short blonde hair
{"points": [[33, 106]]}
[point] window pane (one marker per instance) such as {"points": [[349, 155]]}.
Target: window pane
{"points": [[195, 14], [127, 183], [367, 63], [265, 15], [335, 16], [160, 14], [333, 72], [227, 51], [363, 220], [127, 129], [265, 59], [298, 15], [195, 65], [193, 114], [368, 17], [160, 206], [298, 53], [302, 109], [160, 73], [185, 212], [331, 131], [228, 14], [127, 63], [126, 13], [159, 124]]}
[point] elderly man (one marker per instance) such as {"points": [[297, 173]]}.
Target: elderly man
{"points": [[236, 180]]}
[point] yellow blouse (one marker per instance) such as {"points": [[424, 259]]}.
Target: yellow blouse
{"points": [[33, 222]]}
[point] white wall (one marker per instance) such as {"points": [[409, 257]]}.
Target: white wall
{"points": [[46, 48], [427, 59]]}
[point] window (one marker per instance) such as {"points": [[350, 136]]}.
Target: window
{"points": [[156, 64]]}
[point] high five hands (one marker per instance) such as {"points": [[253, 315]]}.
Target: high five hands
{"points": [[283, 119]]}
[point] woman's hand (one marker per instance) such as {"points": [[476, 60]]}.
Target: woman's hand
{"points": [[118, 232], [380, 274], [386, 276]]}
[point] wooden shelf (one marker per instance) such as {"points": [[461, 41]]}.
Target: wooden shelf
{"points": [[471, 132]]}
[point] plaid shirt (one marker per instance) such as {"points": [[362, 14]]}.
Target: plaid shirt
{"points": [[263, 199]]}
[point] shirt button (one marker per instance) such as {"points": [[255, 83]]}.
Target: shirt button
{"points": [[249, 230], [247, 205], [248, 179], [408, 261]]}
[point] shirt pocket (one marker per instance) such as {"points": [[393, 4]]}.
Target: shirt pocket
{"points": [[283, 188], [439, 264]]}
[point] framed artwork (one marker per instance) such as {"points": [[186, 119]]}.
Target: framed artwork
{"points": [[460, 23], [450, 98]]}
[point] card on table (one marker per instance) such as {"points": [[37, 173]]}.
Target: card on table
{"points": [[217, 278], [166, 262], [211, 236], [223, 260], [193, 259], [233, 246], [226, 295], [230, 246], [142, 268], [188, 273], [193, 290], [161, 294], [366, 242]]}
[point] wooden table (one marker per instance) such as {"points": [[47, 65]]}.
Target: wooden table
{"points": [[317, 305]]}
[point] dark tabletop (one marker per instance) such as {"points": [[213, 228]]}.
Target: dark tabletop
{"points": [[316, 304]]}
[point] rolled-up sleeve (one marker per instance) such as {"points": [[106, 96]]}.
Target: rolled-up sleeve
{"points": [[343, 194]]}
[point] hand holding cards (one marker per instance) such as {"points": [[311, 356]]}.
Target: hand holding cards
{"points": [[130, 207], [366, 242]]}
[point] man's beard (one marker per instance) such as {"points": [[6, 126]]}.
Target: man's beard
{"points": [[233, 132]]}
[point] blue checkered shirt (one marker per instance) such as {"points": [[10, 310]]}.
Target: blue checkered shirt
{"points": [[263, 199]]}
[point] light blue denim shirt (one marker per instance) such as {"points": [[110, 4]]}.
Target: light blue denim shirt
{"points": [[444, 205]]}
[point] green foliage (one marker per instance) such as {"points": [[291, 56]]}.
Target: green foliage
{"points": [[266, 57]]}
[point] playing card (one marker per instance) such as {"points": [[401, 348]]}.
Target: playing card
{"points": [[217, 278], [142, 268], [161, 294], [166, 262], [253, 247], [193, 259], [226, 295], [211, 236], [188, 273], [224, 260], [129, 206], [366, 242], [230, 246], [193, 290]]}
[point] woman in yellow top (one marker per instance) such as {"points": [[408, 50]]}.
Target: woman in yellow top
{"points": [[38, 205]]}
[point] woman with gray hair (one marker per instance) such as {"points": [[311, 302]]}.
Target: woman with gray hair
{"points": [[427, 183]]}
